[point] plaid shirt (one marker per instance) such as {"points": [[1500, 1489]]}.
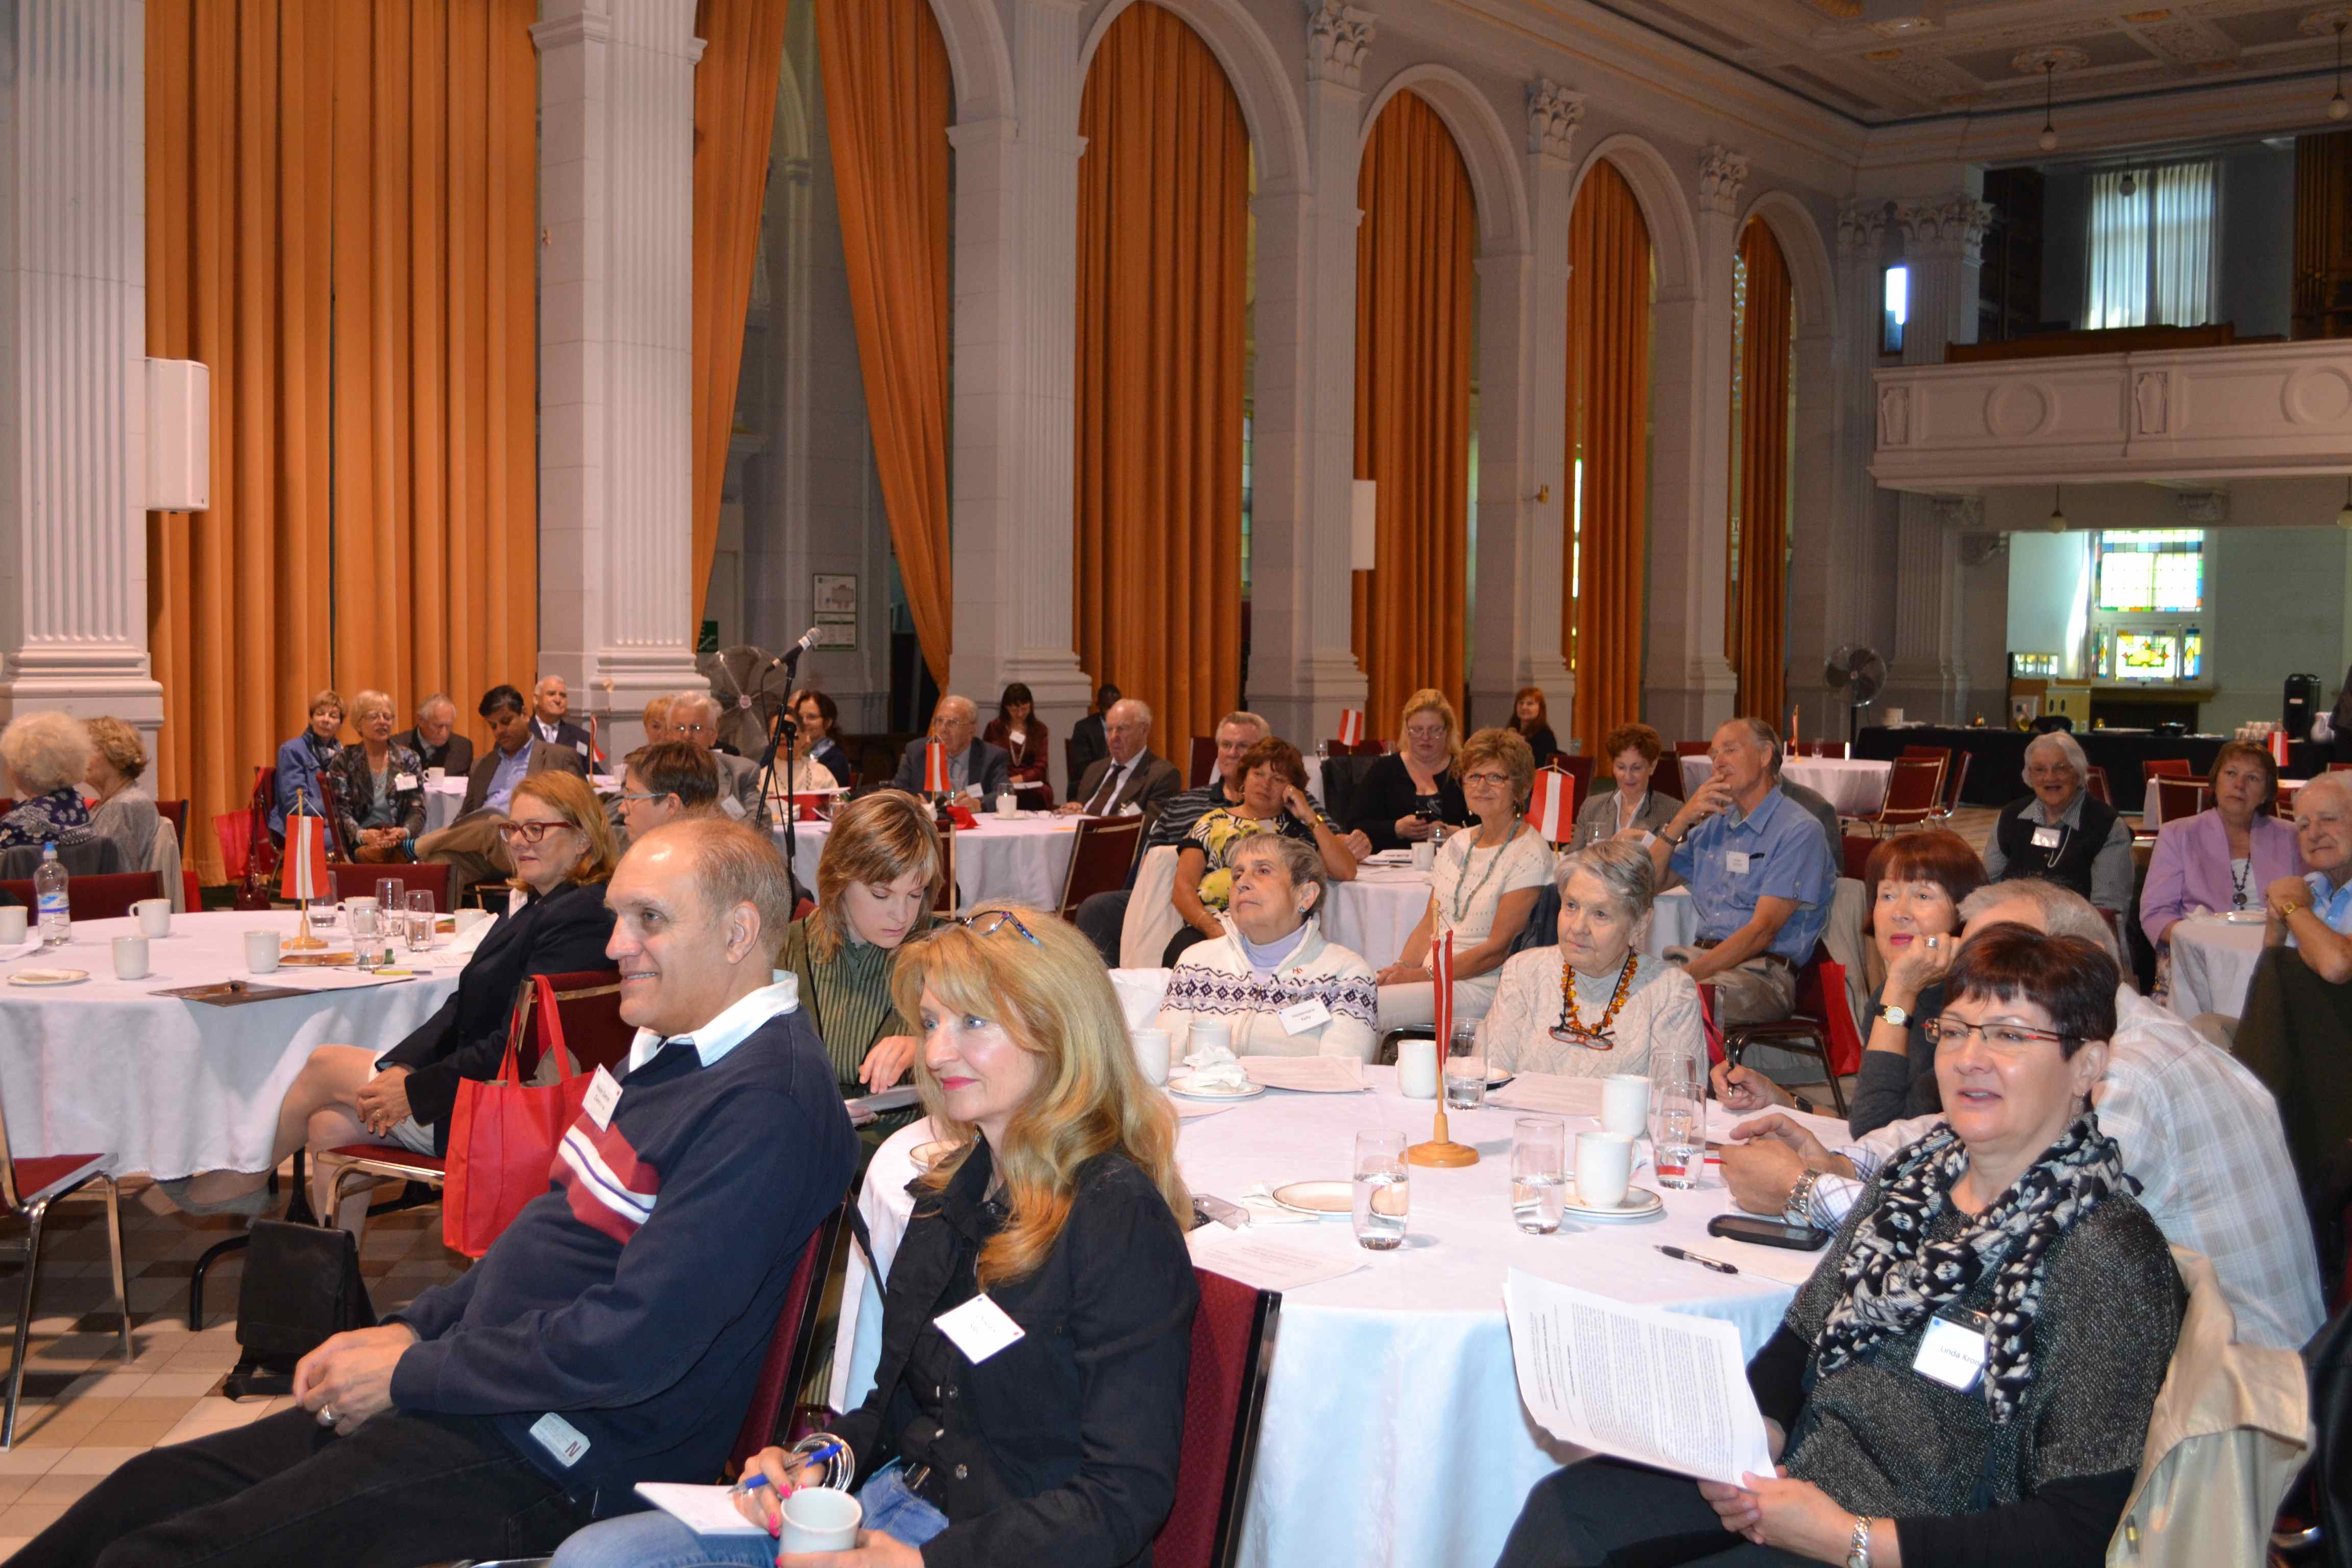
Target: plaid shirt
{"points": [[2203, 1136]]}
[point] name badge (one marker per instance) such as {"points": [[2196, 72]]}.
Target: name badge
{"points": [[977, 792], [1301, 1017], [603, 1098], [2046, 838], [580, 747], [403, 781], [1735, 862], [1952, 1353], [980, 1327], [732, 806], [559, 1438]]}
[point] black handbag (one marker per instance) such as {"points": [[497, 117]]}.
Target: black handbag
{"points": [[301, 1287]]}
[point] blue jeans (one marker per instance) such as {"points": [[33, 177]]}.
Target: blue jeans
{"points": [[654, 1539]]}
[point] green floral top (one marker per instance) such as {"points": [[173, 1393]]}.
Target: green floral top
{"points": [[1217, 833]]}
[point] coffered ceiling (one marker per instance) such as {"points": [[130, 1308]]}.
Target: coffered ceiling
{"points": [[1883, 61]]}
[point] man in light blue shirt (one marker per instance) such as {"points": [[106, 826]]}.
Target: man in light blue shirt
{"points": [[1760, 876], [2314, 911]]}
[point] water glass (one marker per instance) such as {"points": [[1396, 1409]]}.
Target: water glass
{"points": [[1383, 1190], [1539, 1173], [389, 894], [364, 933], [420, 920], [1678, 1119], [1465, 1069]]}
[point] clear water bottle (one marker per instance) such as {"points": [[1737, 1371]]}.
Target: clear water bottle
{"points": [[50, 896]]}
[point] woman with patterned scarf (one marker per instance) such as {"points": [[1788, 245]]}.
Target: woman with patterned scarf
{"points": [[1968, 1376]]}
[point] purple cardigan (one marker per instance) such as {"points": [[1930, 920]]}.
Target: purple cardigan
{"points": [[2190, 865]]}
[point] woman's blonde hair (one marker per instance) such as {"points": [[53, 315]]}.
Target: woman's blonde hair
{"points": [[119, 744], [875, 839], [1506, 748], [569, 796], [368, 703], [45, 752], [326, 697], [1429, 700], [1054, 998]]}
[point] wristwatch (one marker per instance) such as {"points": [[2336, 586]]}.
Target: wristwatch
{"points": [[1799, 1210], [1898, 1016], [1857, 1550]]}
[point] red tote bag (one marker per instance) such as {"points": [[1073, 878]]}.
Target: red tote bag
{"points": [[502, 1139]]}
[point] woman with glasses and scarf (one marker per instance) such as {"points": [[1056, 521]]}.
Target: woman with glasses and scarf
{"points": [[1968, 1376]]}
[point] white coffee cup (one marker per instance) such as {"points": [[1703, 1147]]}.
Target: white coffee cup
{"points": [[1008, 805], [154, 916], [1625, 1103], [261, 950], [1151, 1053], [130, 958], [467, 919], [434, 775], [1424, 856], [1209, 1035], [12, 919], [818, 1519], [1417, 1069], [1604, 1168]]}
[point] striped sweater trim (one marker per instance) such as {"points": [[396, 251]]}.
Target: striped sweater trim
{"points": [[1194, 990]]}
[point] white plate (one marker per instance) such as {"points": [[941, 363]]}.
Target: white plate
{"points": [[1325, 1200], [1640, 1202], [1178, 1087], [48, 977]]}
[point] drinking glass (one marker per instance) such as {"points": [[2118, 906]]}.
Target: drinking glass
{"points": [[420, 920], [1539, 1173], [1678, 1118], [388, 894], [1383, 1190], [1465, 1069], [363, 933]]}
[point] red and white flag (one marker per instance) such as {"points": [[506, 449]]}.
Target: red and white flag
{"points": [[1441, 970], [1549, 810], [935, 768], [2278, 747], [305, 871], [1351, 726], [595, 749]]}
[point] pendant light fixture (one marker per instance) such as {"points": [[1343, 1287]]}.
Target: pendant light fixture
{"points": [[2337, 109], [2048, 130], [2058, 513]]}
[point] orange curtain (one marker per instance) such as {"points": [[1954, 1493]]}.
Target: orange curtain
{"points": [[1163, 213], [889, 100], [734, 117], [1413, 286], [1757, 592], [1608, 427]]}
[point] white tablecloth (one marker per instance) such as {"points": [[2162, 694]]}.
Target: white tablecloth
{"points": [[170, 1086], [1022, 861], [1392, 1432], [1854, 786], [2213, 962], [1373, 915]]}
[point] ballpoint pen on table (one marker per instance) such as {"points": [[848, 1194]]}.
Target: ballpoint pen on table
{"points": [[1717, 1264]]}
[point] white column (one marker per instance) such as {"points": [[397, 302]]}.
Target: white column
{"points": [[1943, 239], [1689, 688], [73, 330], [615, 324], [1523, 435], [1015, 377], [1855, 589], [1303, 668]]}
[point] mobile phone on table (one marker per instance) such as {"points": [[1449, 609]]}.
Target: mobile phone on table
{"points": [[1767, 1232]]}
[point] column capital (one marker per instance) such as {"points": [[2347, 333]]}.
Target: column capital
{"points": [[1960, 511], [1721, 173], [1553, 114], [1948, 226], [1338, 37], [1861, 227]]}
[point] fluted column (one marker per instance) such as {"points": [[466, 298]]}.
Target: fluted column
{"points": [[1689, 688], [1523, 437], [1303, 668], [615, 352], [73, 331]]}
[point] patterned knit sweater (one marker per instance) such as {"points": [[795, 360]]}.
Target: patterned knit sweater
{"points": [[1215, 980]]}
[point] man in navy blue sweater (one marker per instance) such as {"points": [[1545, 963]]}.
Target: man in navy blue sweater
{"points": [[610, 1336]]}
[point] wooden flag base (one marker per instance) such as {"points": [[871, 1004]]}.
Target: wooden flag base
{"points": [[1441, 1150], [302, 941]]}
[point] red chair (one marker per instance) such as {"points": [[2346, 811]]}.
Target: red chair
{"points": [[357, 880], [174, 812], [1692, 748], [579, 1012], [1856, 852], [2177, 798], [1204, 761], [1915, 792], [785, 1367], [27, 1187], [1580, 769], [1961, 760], [2154, 768], [102, 897], [1104, 848], [1225, 1393], [1822, 1025], [2339, 767], [2096, 786]]}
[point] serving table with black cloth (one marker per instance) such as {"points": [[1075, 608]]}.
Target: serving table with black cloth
{"points": [[1996, 771]]}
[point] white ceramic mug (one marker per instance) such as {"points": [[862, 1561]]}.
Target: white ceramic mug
{"points": [[434, 775], [1209, 1035], [261, 950], [154, 916], [466, 920], [818, 1519], [1008, 805], [1424, 856], [1417, 1069], [12, 919], [1604, 1168], [130, 958], [1151, 1053], [1625, 1103]]}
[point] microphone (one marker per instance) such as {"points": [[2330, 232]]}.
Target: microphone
{"points": [[792, 654]]}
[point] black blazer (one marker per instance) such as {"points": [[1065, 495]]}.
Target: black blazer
{"points": [[560, 933], [570, 736], [455, 756], [836, 760], [1061, 1448], [1386, 793]]}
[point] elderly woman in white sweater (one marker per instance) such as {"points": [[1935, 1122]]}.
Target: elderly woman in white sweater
{"points": [[1594, 1004], [1285, 990]]}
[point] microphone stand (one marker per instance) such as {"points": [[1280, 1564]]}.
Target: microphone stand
{"points": [[781, 730]]}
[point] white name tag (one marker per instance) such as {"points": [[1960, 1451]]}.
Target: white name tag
{"points": [[980, 1327], [975, 791], [1952, 1355], [403, 781], [2046, 838], [580, 747], [560, 1437], [1735, 862], [732, 806], [603, 1098], [1301, 1017]]}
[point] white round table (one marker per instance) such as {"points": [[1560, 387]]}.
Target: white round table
{"points": [[1392, 1431], [1022, 860], [1853, 786], [1375, 914], [170, 1086], [2213, 962]]}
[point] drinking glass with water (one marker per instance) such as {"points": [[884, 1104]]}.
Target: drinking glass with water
{"points": [[1465, 1069], [1678, 1119], [1539, 1173], [363, 933], [1383, 1190]]}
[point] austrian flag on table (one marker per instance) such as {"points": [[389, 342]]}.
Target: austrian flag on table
{"points": [[935, 768], [608, 1187], [1351, 726], [1547, 810]]}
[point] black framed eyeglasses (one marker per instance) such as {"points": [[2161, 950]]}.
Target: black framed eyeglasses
{"points": [[988, 922]]}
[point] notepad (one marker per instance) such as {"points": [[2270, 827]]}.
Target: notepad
{"points": [[706, 1510]]}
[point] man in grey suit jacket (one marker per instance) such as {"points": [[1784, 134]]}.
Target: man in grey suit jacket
{"points": [[1131, 778], [954, 723], [435, 738], [694, 718]]}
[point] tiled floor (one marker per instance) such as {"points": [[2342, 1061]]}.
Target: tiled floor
{"points": [[85, 1410]]}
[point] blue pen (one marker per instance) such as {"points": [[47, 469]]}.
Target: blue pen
{"points": [[750, 1484]]}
